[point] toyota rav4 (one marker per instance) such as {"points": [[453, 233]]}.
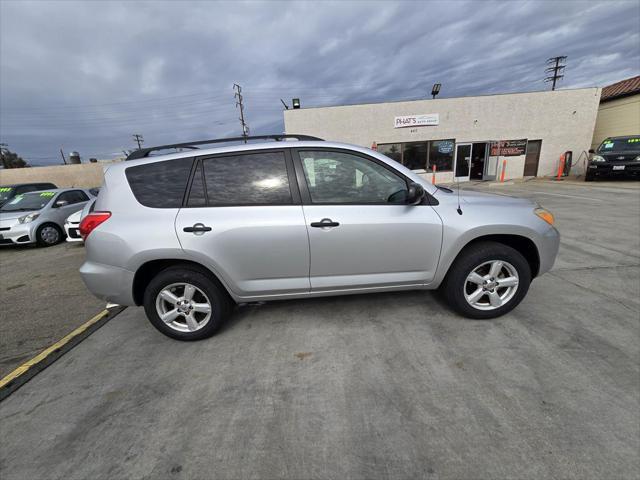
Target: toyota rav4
{"points": [[190, 234]]}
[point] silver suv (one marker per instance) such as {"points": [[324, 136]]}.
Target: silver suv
{"points": [[190, 234]]}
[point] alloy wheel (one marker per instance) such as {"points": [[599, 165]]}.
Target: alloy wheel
{"points": [[491, 285], [183, 307]]}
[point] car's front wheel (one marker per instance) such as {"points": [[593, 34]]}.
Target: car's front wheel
{"points": [[186, 304], [488, 279]]}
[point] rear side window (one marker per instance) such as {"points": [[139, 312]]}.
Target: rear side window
{"points": [[160, 184], [249, 179]]}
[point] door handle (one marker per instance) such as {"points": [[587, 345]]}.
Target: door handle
{"points": [[325, 222], [197, 227]]}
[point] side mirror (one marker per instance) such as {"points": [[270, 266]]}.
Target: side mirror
{"points": [[415, 194], [60, 203], [591, 150]]}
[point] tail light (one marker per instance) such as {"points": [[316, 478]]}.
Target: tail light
{"points": [[91, 221]]}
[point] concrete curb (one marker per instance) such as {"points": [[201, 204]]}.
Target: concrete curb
{"points": [[31, 368]]}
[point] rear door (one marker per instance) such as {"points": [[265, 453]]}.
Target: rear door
{"points": [[243, 218], [362, 234]]}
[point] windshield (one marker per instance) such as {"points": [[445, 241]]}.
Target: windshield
{"points": [[625, 144], [5, 192], [28, 201]]}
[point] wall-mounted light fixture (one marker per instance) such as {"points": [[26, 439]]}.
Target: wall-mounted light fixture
{"points": [[295, 102]]}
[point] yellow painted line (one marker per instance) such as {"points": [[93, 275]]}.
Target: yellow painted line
{"points": [[22, 369]]}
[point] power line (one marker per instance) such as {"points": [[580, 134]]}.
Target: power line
{"points": [[238, 95], [556, 70]]}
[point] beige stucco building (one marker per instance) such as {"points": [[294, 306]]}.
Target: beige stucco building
{"points": [[619, 112], [457, 134]]}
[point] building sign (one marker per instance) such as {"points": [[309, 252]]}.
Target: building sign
{"points": [[416, 120], [509, 148]]}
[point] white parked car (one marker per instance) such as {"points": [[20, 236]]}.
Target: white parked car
{"points": [[72, 223], [72, 227]]}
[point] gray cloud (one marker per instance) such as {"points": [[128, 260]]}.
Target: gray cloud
{"points": [[86, 75]]}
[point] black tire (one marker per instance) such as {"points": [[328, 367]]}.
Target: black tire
{"points": [[44, 237], [221, 303], [589, 177], [476, 254]]}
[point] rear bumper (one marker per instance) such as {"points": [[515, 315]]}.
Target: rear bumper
{"points": [[622, 169], [112, 284]]}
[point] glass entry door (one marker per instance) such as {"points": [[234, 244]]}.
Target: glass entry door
{"points": [[491, 163], [463, 162]]}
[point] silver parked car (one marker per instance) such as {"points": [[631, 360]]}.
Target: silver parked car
{"points": [[190, 234], [38, 217]]}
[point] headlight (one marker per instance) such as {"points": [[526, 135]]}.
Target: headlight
{"points": [[545, 215], [28, 218], [598, 158], [637, 159]]}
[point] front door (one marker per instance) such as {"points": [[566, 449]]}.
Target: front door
{"points": [[532, 158], [71, 202], [362, 234], [243, 219], [463, 162]]}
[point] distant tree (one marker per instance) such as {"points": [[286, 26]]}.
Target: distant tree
{"points": [[12, 160]]}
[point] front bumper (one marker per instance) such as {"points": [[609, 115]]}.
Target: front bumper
{"points": [[548, 249], [73, 232], [17, 234], [109, 283], [621, 169]]}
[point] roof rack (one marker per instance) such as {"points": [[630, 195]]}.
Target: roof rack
{"points": [[144, 152]]}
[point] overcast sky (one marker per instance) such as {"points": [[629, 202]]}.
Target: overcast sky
{"points": [[87, 75]]}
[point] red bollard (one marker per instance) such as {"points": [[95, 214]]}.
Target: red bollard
{"points": [[433, 176], [560, 167], [504, 169]]}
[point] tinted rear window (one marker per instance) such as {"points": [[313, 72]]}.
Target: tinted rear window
{"points": [[247, 179], [160, 184]]}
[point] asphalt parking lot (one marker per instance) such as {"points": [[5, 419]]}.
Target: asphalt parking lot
{"points": [[372, 386], [43, 299]]}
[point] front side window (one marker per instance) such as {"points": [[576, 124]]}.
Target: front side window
{"points": [[338, 177], [160, 184], [74, 196], [247, 179]]}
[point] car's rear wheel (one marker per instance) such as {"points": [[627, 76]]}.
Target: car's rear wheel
{"points": [[487, 280], [186, 304], [48, 235]]}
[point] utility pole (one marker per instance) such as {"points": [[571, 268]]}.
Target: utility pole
{"points": [[64, 160], [238, 95], [138, 139], [556, 71]]}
